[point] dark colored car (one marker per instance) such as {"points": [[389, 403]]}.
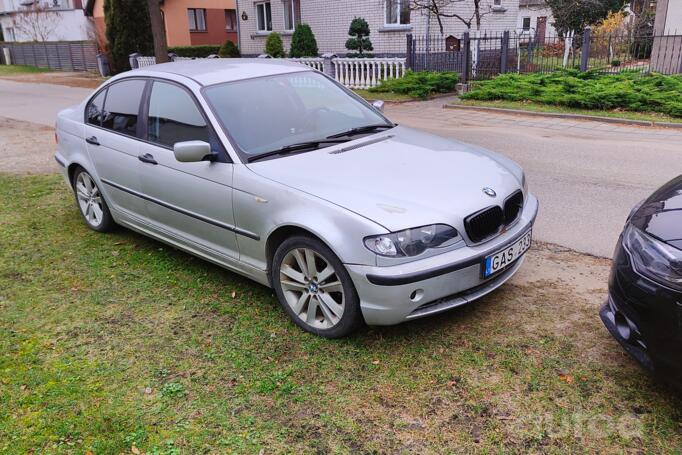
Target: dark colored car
{"points": [[644, 308]]}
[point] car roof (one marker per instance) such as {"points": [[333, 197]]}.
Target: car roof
{"points": [[216, 70]]}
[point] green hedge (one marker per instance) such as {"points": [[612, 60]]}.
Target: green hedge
{"points": [[629, 91], [194, 51], [420, 85]]}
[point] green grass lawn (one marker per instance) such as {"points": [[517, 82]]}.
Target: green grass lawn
{"points": [[8, 70], [114, 342], [537, 107]]}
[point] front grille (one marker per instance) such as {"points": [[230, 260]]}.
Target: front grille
{"points": [[488, 222], [512, 207], [484, 224]]}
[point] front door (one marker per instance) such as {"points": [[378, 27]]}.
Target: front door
{"points": [[189, 203], [541, 30]]}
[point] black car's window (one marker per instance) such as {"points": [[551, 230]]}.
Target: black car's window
{"points": [[174, 117], [122, 105], [94, 109]]}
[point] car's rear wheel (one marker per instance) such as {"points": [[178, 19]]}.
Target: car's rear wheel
{"points": [[91, 203], [314, 288]]}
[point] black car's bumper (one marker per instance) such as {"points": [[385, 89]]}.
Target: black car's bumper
{"points": [[646, 319]]}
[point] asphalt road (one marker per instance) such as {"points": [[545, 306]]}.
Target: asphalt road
{"points": [[587, 175]]}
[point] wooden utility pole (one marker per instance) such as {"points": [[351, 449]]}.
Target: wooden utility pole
{"points": [[158, 31]]}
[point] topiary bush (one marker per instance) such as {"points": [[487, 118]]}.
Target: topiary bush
{"points": [[229, 50], [273, 45], [628, 90], [359, 30], [303, 42], [420, 85], [201, 51]]}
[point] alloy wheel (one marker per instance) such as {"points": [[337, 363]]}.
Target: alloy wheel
{"points": [[312, 288], [89, 199]]}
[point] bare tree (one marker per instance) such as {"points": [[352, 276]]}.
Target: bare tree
{"points": [[36, 21], [452, 9]]}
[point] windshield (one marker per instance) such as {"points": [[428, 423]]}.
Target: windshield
{"points": [[273, 112]]}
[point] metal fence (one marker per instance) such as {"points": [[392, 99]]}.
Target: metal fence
{"points": [[58, 55], [485, 55]]}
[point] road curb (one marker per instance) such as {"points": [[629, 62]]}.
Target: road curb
{"points": [[593, 118]]}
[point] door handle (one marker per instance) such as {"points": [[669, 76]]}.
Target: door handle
{"points": [[92, 140], [147, 158]]}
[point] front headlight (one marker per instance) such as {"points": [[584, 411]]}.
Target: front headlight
{"points": [[654, 259], [412, 242]]}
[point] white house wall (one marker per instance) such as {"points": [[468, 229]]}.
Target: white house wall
{"points": [[534, 12], [70, 24], [330, 19]]}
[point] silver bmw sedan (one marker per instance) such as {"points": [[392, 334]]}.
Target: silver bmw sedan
{"points": [[275, 171]]}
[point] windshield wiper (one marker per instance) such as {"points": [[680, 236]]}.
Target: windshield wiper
{"points": [[294, 148], [362, 129]]}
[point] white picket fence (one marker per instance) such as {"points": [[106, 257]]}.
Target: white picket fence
{"points": [[358, 73], [367, 72]]}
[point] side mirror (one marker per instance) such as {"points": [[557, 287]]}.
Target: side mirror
{"points": [[378, 105], [192, 151]]}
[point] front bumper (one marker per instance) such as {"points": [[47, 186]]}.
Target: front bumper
{"points": [[645, 318], [390, 295]]}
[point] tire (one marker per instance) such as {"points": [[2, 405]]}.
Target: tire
{"points": [[90, 201], [320, 300]]}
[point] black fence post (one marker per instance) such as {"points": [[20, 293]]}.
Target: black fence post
{"points": [[467, 57], [585, 50], [410, 56], [504, 54]]}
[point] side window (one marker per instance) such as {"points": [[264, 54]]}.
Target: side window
{"points": [[174, 117], [122, 105], [93, 112]]}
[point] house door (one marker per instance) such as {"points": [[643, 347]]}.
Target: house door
{"points": [[541, 30]]}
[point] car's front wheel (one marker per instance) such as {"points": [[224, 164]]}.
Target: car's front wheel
{"points": [[314, 288], [91, 203]]}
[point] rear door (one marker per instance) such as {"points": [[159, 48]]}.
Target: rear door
{"points": [[191, 202], [111, 131]]}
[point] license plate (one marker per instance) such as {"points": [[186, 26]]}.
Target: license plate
{"points": [[503, 258]]}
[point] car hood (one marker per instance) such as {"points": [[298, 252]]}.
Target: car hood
{"points": [[660, 215], [400, 178]]}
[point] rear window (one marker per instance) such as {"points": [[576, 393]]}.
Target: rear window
{"points": [[95, 109], [122, 106]]}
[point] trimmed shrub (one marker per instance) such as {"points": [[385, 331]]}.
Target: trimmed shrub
{"points": [[229, 50], [303, 43], [201, 51], [419, 85], [273, 45], [629, 90], [359, 30], [128, 30]]}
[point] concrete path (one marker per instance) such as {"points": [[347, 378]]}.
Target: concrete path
{"points": [[588, 175], [37, 103]]}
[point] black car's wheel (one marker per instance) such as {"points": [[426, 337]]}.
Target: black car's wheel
{"points": [[314, 288], [91, 203]]}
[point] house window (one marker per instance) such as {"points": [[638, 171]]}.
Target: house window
{"points": [[197, 19], [397, 12], [526, 23], [497, 3], [290, 9], [264, 17], [230, 19], [9, 34]]}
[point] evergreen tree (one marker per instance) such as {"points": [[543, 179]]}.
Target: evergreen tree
{"points": [[575, 15], [273, 45], [303, 43], [359, 30], [128, 31]]}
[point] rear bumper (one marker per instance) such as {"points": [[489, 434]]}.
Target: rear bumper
{"points": [[390, 295]]}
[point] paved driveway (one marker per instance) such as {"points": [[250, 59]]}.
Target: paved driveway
{"points": [[587, 174]]}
